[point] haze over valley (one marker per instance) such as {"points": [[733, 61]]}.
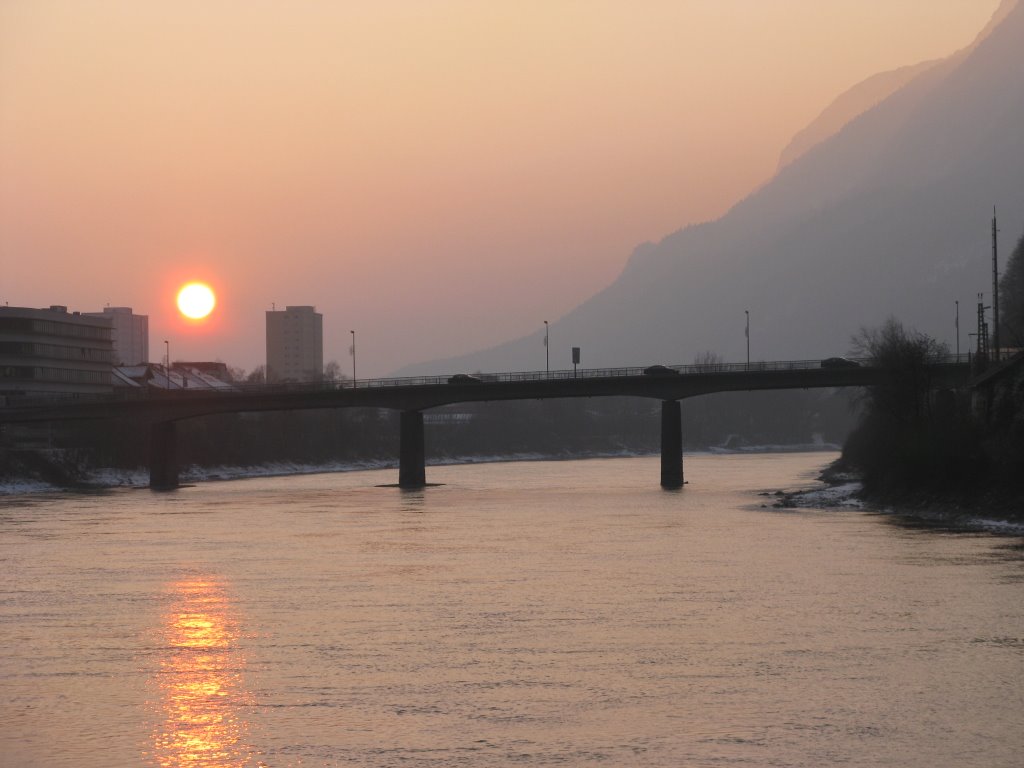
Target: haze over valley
{"points": [[888, 214], [444, 180]]}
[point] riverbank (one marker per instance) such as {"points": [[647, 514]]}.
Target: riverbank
{"points": [[54, 476], [994, 509], [77, 479]]}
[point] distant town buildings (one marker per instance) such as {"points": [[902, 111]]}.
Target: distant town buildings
{"points": [[216, 369], [202, 376], [54, 352], [131, 334], [295, 344]]}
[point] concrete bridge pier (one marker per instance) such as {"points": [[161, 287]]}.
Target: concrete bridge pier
{"points": [[163, 456], [671, 444], [412, 472]]}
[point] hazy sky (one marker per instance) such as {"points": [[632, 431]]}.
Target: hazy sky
{"points": [[438, 176]]}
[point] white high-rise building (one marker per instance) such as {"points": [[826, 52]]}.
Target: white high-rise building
{"points": [[131, 334], [295, 344]]}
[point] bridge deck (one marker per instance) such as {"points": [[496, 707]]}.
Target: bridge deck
{"points": [[424, 392]]}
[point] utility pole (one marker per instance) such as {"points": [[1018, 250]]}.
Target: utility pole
{"points": [[957, 324], [984, 348], [747, 313], [995, 287]]}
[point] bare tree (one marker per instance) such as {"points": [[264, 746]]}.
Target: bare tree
{"points": [[708, 361], [905, 354], [332, 371], [257, 375]]}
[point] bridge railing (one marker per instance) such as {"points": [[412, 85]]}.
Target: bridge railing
{"points": [[696, 369], [602, 373]]}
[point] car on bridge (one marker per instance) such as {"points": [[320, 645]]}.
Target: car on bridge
{"points": [[660, 370], [839, 362], [464, 378]]}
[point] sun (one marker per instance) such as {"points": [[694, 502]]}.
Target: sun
{"points": [[196, 300]]}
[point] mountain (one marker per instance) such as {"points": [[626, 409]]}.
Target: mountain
{"points": [[890, 215], [874, 90], [849, 105]]}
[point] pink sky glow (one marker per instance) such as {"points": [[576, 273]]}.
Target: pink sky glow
{"points": [[439, 176]]}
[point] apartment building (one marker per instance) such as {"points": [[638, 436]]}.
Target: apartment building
{"points": [[53, 352], [131, 334], [295, 344]]}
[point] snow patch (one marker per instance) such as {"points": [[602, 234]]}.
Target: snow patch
{"points": [[843, 495], [139, 478], [789, 448], [10, 487]]}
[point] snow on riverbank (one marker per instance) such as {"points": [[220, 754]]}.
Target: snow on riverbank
{"points": [[139, 478], [845, 491], [13, 487], [845, 494], [792, 448]]}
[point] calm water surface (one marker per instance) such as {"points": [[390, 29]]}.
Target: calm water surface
{"points": [[565, 613]]}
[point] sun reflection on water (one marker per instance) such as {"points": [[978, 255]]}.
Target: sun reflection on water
{"points": [[202, 696]]}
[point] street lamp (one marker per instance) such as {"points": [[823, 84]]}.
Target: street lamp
{"points": [[547, 351], [747, 313], [352, 351]]}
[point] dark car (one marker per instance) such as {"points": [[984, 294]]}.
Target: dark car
{"points": [[464, 378], [839, 362], [660, 370]]}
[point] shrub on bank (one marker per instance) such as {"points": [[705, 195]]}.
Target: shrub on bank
{"points": [[913, 438]]}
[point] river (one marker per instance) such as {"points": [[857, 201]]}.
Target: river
{"points": [[521, 614]]}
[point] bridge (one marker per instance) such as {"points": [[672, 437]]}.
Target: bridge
{"points": [[160, 410]]}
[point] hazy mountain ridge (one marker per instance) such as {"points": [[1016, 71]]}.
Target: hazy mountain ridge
{"points": [[875, 89], [848, 105], [888, 216]]}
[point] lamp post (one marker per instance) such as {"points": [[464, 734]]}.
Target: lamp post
{"points": [[352, 351], [167, 362], [547, 351], [747, 313]]}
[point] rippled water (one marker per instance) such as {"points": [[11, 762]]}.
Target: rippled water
{"points": [[566, 613]]}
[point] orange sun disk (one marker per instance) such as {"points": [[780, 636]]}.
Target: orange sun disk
{"points": [[196, 300]]}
